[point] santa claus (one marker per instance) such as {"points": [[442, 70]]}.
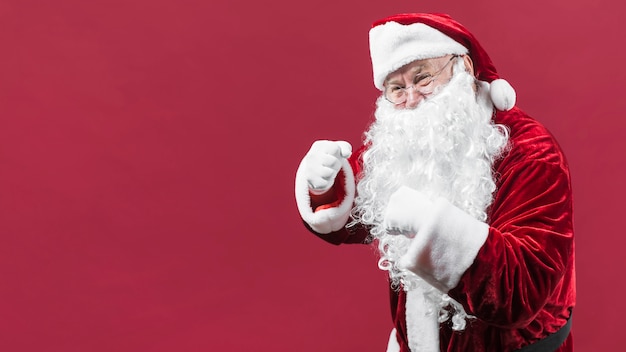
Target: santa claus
{"points": [[467, 198]]}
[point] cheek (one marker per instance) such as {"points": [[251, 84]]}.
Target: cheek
{"points": [[399, 106]]}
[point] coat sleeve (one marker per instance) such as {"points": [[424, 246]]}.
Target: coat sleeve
{"points": [[328, 219], [528, 253]]}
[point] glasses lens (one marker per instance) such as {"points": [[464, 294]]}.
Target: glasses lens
{"points": [[427, 88], [423, 80], [423, 84], [395, 94]]}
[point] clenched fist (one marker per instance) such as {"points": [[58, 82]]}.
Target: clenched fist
{"points": [[406, 211], [322, 163]]}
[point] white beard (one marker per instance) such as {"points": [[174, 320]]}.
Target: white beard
{"points": [[444, 148]]}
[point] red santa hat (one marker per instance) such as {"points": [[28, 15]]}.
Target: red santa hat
{"points": [[400, 39]]}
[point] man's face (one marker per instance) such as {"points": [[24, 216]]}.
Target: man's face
{"points": [[412, 83], [443, 147]]}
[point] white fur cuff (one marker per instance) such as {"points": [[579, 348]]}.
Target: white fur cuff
{"points": [[331, 219], [446, 246], [393, 345]]}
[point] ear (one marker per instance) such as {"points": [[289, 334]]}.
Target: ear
{"points": [[469, 65]]}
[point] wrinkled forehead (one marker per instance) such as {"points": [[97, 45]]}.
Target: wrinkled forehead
{"points": [[415, 68]]}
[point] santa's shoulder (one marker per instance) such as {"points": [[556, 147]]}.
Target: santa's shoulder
{"points": [[529, 140]]}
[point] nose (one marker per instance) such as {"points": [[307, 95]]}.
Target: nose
{"points": [[413, 98]]}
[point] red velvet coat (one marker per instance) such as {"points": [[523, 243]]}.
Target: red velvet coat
{"points": [[521, 285]]}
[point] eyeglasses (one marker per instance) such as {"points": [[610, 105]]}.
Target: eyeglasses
{"points": [[422, 83]]}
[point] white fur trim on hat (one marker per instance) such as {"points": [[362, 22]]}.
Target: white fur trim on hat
{"points": [[330, 219], [393, 45]]}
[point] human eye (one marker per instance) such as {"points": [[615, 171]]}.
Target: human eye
{"points": [[422, 80], [394, 92], [394, 89]]}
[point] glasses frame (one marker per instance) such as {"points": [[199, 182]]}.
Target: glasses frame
{"points": [[418, 89]]}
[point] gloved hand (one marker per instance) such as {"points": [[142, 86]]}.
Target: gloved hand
{"points": [[445, 239], [407, 211], [322, 163]]}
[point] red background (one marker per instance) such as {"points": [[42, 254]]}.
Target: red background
{"points": [[148, 150]]}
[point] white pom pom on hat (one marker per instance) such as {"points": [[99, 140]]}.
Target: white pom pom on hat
{"points": [[502, 94], [400, 39]]}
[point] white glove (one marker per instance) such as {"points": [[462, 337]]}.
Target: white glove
{"points": [[445, 239], [407, 211], [322, 163]]}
